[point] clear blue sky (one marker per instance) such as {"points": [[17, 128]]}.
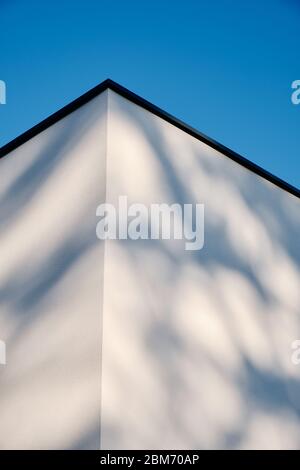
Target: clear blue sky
{"points": [[224, 67]]}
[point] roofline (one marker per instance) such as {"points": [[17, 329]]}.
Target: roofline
{"points": [[110, 84]]}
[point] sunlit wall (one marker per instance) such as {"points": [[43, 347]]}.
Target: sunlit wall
{"points": [[143, 344], [51, 278], [197, 344]]}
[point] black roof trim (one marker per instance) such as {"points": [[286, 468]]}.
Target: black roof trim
{"points": [[86, 97]]}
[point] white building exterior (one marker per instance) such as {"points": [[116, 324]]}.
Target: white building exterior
{"points": [[143, 344]]}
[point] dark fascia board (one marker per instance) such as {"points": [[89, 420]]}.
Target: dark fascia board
{"points": [[110, 84]]}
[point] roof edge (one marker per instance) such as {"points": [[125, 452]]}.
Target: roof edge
{"points": [[110, 84]]}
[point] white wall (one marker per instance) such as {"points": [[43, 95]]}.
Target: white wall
{"points": [[51, 278], [197, 345], [196, 349]]}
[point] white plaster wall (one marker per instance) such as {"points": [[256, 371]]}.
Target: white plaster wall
{"points": [[197, 345], [196, 348], [51, 278]]}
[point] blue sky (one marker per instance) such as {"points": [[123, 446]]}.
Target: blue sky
{"points": [[224, 67]]}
